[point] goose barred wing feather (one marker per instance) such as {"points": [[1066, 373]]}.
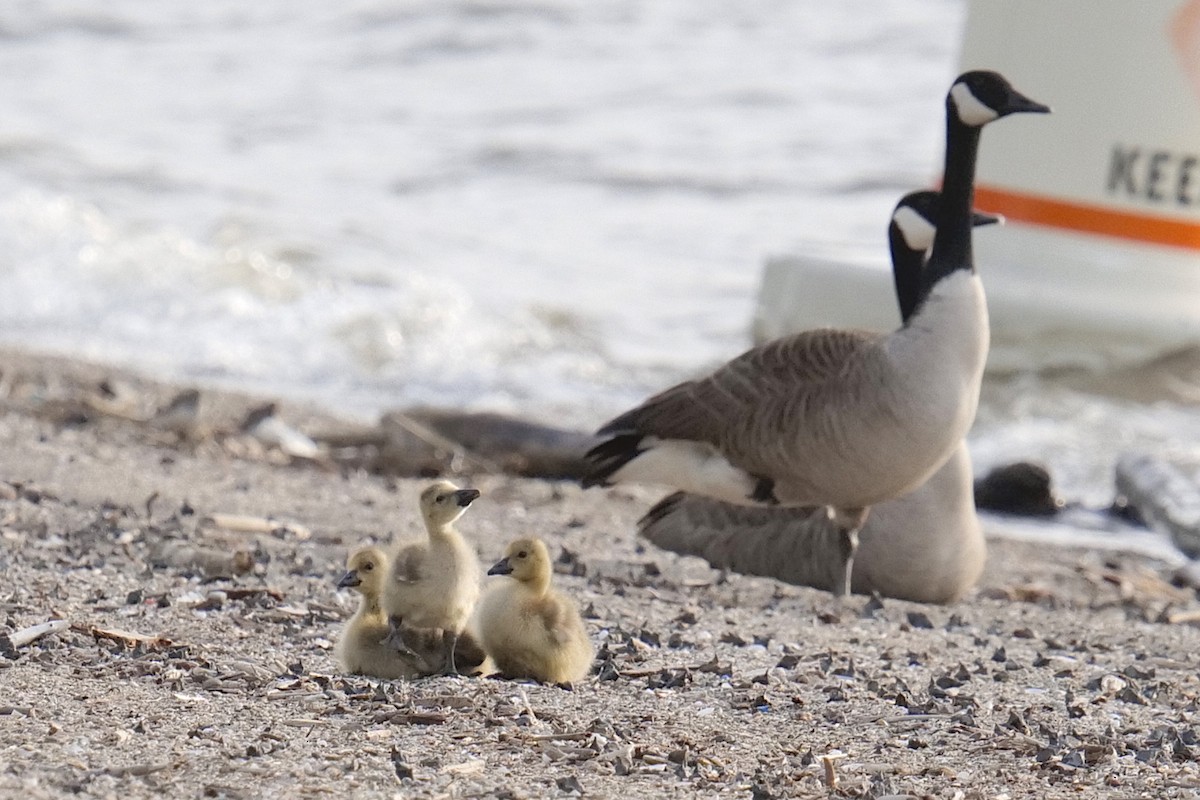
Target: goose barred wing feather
{"points": [[784, 371], [746, 406]]}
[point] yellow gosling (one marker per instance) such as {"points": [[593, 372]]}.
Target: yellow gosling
{"points": [[529, 629], [361, 648], [435, 583]]}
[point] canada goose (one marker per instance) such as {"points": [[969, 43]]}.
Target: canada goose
{"points": [[361, 648], [529, 629], [840, 418], [434, 584], [925, 546]]}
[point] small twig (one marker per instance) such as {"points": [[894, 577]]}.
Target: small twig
{"points": [[912, 718], [126, 638], [465, 768], [577, 736], [410, 718], [135, 769], [303, 723], [242, 592], [11, 641], [1015, 741], [528, 708], [640, 673], [828, 760]]}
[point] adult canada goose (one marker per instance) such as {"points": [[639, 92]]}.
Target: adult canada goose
{"points": [[838, 418], [926, 545], [434, 584], [529, 629], [361, 649]]}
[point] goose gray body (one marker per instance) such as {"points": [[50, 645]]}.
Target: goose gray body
{"points": [[827, 417], [925, 546]]}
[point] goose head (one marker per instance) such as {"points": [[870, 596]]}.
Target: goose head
{"points": [[911, 233], [365, 569], [982, 96], [915, 220], [443, 502], [527, 561]]}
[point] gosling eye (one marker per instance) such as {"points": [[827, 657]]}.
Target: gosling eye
{"points": [[522, 554], [367, 567], [441, 498]]}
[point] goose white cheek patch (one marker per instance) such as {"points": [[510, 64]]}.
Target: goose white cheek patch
{"points": [[970, 109], [917, 231]]}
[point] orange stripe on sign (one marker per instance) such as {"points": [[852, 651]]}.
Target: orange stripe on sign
{"points": [[1037, 210]]}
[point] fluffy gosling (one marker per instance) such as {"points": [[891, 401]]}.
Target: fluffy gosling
{"points": [[434, 584], [529, 629], [361, 648]]}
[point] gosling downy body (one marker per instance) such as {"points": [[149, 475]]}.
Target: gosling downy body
{"points": [[435, 583], [529, 629], [926, 546], [361, 648], [837, 418]]}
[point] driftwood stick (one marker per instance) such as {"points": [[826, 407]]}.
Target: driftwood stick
{"points": [[11, 641], [247, 523], [440, 442], [1187, 615]]}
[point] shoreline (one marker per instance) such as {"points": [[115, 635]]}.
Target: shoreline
{"points": [[1068, 672]]}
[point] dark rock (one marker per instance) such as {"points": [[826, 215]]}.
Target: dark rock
{"points": [[515, 445], [1021, 488]]}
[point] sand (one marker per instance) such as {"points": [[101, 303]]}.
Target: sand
{"points": [[1067, 673]]}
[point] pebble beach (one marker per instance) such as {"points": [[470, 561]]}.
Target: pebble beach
{"points": [[195, 581]]}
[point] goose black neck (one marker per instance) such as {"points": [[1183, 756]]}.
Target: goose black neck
{"points": [[906, 272], [952, 243]]}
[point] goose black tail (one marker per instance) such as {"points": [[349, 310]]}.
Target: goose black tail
{"points": [[609, 456]]}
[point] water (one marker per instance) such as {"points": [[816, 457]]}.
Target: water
{"points": [[551, 208]]}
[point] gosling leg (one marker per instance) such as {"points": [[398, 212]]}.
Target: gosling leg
{"points": [[449, 643], [395, 639]]}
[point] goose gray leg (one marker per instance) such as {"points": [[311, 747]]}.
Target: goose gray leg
{"points": [[395, 638], [849, 522], [449, 643]]}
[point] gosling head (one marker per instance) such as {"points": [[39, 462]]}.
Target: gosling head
{"points": [[365, 569], [525, 560], [981, 96], [443, 502]]}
